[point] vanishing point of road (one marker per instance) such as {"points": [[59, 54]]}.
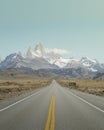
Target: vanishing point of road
{"points": [[54, 108]]}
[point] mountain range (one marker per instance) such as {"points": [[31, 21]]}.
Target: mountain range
{"points": [[41, 58], [44, 58]]}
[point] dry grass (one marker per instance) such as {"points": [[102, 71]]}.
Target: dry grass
{"points": [[14, 87], [90, 86]]}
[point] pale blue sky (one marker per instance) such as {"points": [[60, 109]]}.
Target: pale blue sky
{"points": [[74, 25]]}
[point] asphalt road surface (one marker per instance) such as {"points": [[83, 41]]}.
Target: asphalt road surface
{"points": [[54, 108]]}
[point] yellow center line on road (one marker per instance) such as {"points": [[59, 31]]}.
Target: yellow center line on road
{"points": [[51, 115]]}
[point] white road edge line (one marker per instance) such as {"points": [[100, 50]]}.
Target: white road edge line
{"points": [[19, 101], [90, 104]]}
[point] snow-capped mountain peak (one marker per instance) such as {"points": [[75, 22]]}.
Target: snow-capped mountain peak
{"points": [[31, 54], [87, 61], [63, 62], [40, 50], [83, 59], [41, 57]]}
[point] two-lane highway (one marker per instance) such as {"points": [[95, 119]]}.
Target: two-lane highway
{"points": [[54, 108]]}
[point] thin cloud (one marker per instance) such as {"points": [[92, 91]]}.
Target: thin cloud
{"points": [[58, 51]]}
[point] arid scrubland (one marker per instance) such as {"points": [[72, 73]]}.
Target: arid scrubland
{"points": [[90, 86], [15, 87]]}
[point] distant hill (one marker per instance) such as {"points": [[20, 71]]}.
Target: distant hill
{"points": [[22, 73], [99, 76]]}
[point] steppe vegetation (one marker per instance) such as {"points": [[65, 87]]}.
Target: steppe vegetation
{"points": [[90, 86], [15, 87]]}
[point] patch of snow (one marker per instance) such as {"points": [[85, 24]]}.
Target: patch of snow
{"points": [[92, 69]]}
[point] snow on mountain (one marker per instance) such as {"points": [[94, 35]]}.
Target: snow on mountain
{"points": [[17, 61], [38, 58], [52, 56], [31, 54], [43, 58], [21, 54], [63, 63], [87, 61], [9, 61], [74, 64], [92, 65], [42, 52], [93, 70]]}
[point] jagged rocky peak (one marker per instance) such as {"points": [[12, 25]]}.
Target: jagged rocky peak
{"points": [[40, 55], [87, 60], [39, 49], [21, 54], [84, 58], [29, 52]]}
